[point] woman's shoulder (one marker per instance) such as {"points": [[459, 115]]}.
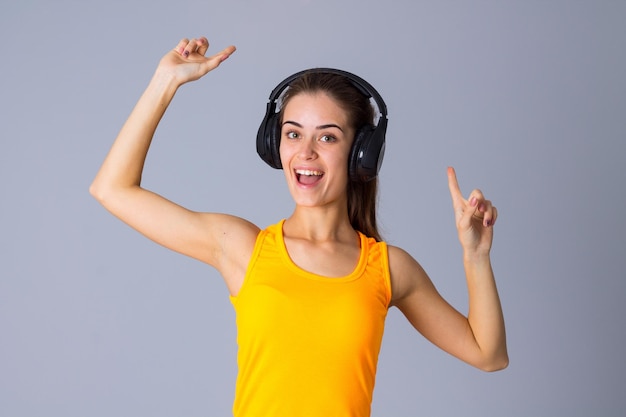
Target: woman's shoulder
{"points": [[405, 271], [398, 256], [234, 239]]}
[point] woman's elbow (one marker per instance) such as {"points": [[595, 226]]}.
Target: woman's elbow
{"points": [[495, 364], [104, 193], [97, 191]]}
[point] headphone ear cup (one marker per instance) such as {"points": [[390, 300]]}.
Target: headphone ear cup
{"points": [[268, 140], [364, 158], [274, 141]]}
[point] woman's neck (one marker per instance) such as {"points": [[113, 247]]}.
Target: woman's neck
{"points": [[319, 224]]}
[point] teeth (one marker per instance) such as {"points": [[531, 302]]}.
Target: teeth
{"points": [[308, 172]]}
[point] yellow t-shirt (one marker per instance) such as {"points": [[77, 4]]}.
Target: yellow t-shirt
{"points": [[308, 344]]}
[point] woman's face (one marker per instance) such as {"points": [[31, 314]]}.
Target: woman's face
{"points": [[314, 148]]}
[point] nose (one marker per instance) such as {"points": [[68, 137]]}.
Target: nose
{"points": [[307, 149]]}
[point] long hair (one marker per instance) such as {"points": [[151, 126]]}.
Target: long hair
{"points": [[362, 196]]}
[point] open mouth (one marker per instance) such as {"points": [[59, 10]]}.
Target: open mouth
{"points": [[308, 177]]}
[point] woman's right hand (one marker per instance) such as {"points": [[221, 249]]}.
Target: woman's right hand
{"points": [[187, 62], [223, 241]]}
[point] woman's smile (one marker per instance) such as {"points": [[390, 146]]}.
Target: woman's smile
{"points": [[308, 177]]}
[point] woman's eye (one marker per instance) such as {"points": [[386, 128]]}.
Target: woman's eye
{"points": [[327, 138], [292, 135]]}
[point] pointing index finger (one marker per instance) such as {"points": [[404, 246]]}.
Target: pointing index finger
{"points": [[453, 184]]}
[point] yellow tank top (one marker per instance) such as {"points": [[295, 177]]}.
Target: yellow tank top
{"points": [[308, 344]]}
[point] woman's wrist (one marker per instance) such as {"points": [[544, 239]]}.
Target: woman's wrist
{"points": [[165, 81], [476, 257]]}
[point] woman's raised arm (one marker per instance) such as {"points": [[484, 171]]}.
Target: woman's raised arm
{"points": [[222, 241]]}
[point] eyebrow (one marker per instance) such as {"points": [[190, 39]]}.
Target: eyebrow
{"points": [[317, 127]]}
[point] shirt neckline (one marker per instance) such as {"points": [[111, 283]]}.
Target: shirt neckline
{"points": [[356, 272]]}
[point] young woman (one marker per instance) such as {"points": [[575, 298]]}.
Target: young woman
{"points": [[311, 292]]}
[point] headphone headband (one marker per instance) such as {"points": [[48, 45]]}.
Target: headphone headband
{"points": [[369, 142], [363, 86]]}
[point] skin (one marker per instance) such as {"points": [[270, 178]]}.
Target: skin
{"points": [[319, 238]]}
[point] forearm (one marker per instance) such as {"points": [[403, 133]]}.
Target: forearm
{"points": [[123, 166], [485, 311]]}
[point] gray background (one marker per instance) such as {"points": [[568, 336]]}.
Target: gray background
{"points": [[526, 99]]}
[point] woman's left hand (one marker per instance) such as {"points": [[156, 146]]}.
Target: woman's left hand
{"points": [[474, 218]]}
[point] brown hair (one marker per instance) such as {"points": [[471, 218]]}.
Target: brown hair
{"points": [[362, 196]]}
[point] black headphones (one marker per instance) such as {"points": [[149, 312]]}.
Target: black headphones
{"points": [[368, 147]]}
